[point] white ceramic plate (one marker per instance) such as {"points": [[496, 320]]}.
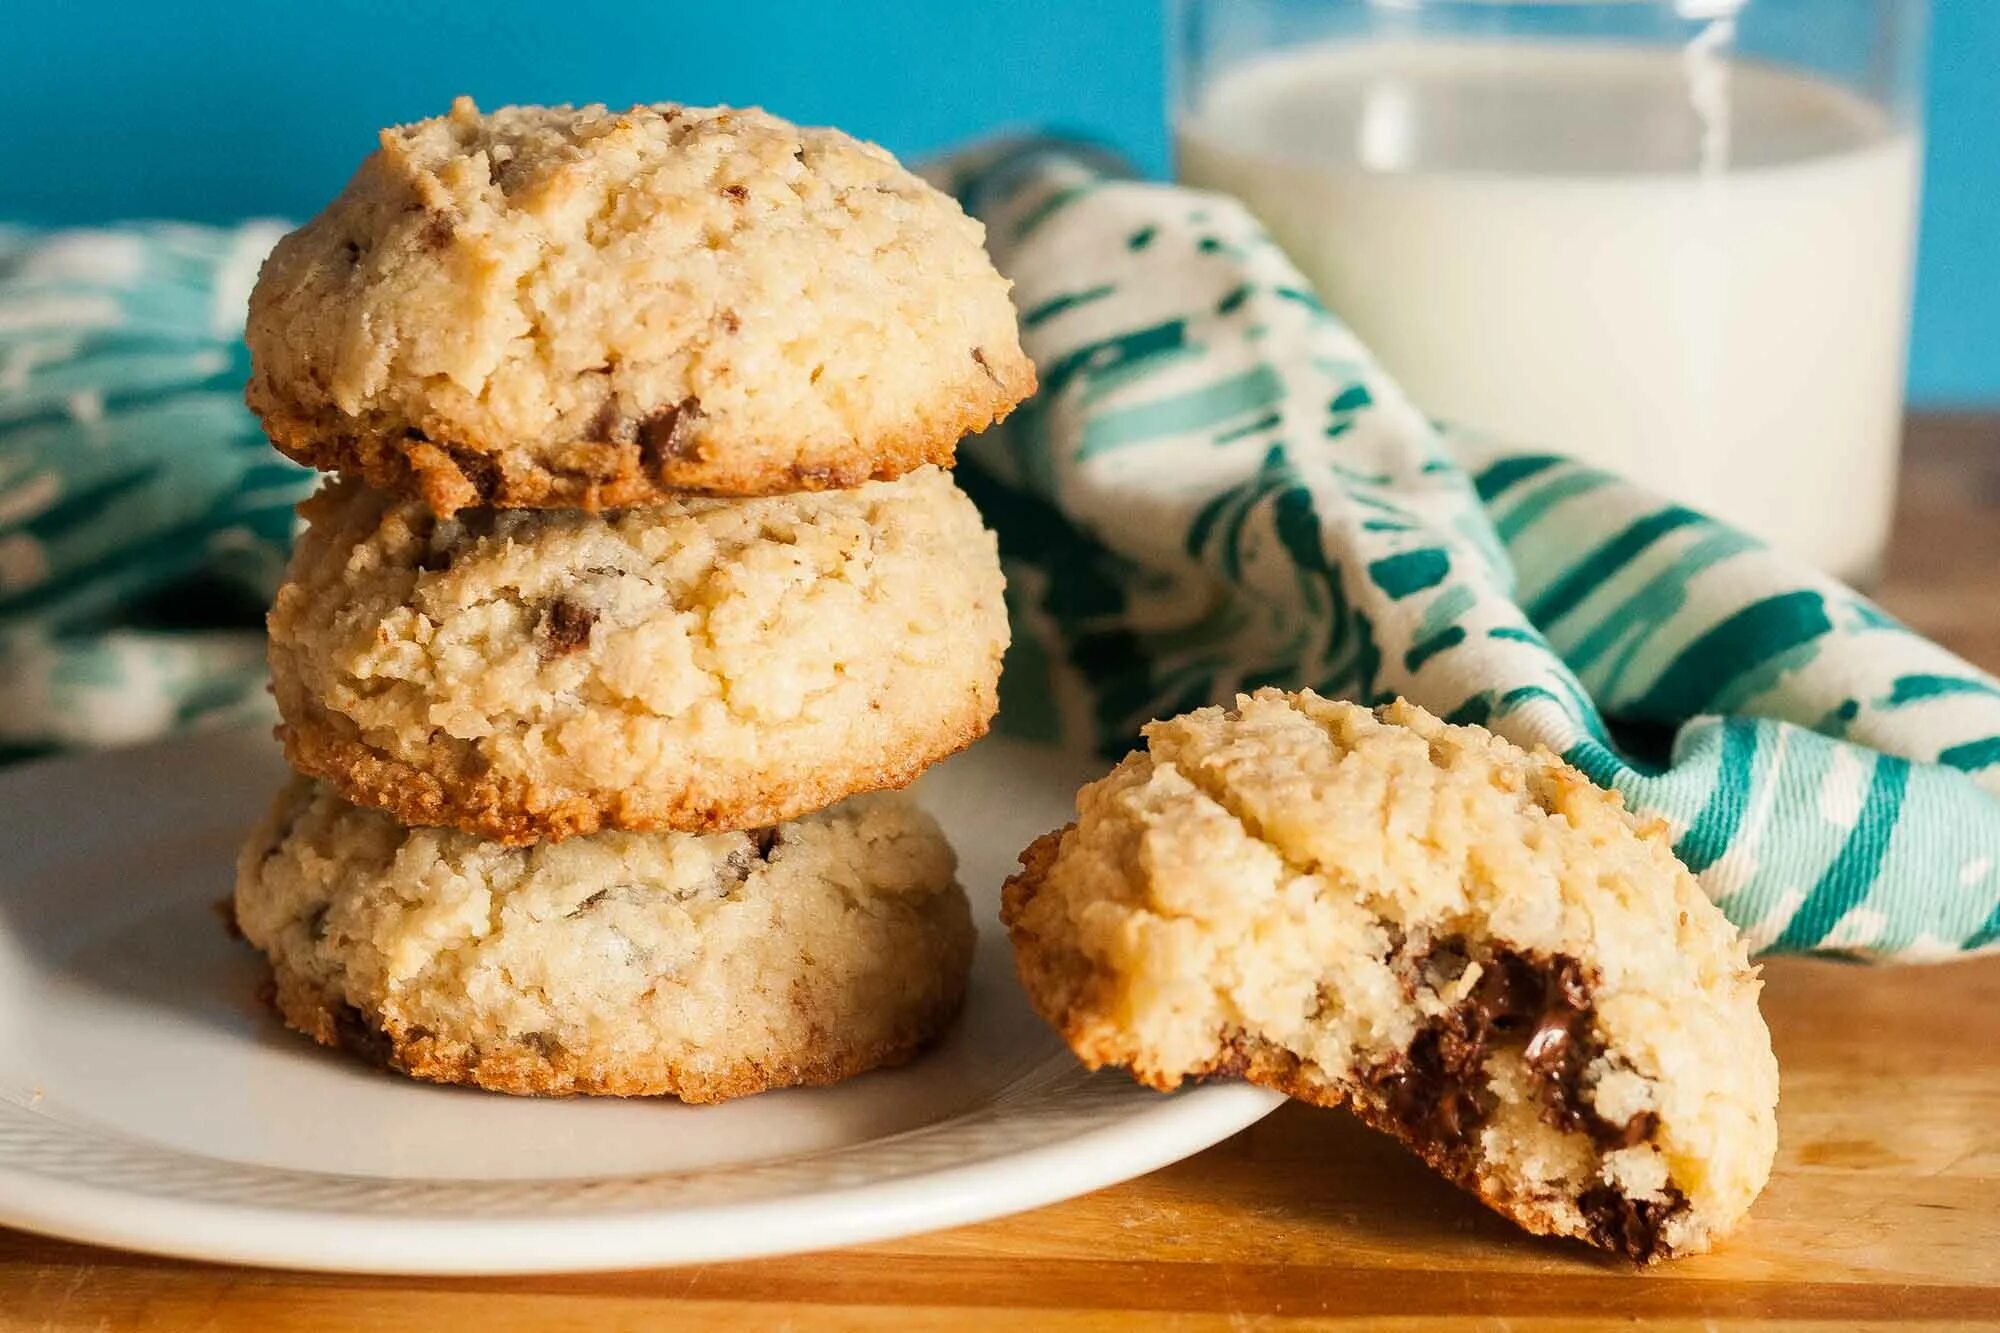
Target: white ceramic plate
{"points": [[147, 1099]]}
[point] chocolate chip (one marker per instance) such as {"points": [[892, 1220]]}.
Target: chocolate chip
{"points": [[1547, 1046], [353, 1030], [1430, 1088], [1559, 1052], [507, 174], [668, 435], [543, 1044], [610, 425], [565, 627], [1437, 1086], [480, 472], [1507, 993], [1612, 1138], [438, 231], [1629, 1226], [353, 251]]}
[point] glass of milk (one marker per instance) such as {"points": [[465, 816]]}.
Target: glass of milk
{"points": [[1670, 237]]}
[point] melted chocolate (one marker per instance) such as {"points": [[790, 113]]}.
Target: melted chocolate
{"points": [[1629, 1226], [1542, 1007]]}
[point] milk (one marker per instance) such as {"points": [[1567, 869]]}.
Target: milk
{"points": [[1690, 271]]}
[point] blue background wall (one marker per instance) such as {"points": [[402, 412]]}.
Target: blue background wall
{"points": [[216, 111]]}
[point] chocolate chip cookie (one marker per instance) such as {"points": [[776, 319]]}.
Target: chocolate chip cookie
{"points": [[698, 967], [573, 306], [695, 665], [1469, 945]]}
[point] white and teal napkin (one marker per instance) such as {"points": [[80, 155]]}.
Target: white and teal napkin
{"points": [[143, 519], [1218, 488]]}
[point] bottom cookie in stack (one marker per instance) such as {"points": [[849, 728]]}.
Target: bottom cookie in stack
{"points": [[702, 967]]}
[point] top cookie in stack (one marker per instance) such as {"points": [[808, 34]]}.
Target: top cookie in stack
{"points": [[717, 355], [562, 307]]}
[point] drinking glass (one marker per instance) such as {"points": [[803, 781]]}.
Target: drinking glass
{"points": [[1673, 238]]}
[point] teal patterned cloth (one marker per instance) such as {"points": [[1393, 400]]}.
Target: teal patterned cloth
{"points": [[1218, 488], [143, 519]]}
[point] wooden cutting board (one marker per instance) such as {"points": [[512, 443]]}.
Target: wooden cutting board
{"points": [[1884, 1210]]}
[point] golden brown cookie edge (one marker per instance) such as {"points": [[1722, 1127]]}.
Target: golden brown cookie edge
{"points": [[450, 469], [405, 1049], [518, 814]]}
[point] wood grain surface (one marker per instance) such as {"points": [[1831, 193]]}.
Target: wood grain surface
{"points": [[1884, 1210]]}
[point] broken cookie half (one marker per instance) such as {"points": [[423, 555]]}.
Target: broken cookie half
{"points": [[1469, 945]]}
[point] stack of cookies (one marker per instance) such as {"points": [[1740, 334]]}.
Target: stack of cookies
{"points": [[639, 592]]}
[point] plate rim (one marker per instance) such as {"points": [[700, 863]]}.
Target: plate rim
{"points": [[1176, 1126]]}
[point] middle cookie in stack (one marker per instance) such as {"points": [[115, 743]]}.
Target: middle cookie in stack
{"points": [[608, 311]]}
